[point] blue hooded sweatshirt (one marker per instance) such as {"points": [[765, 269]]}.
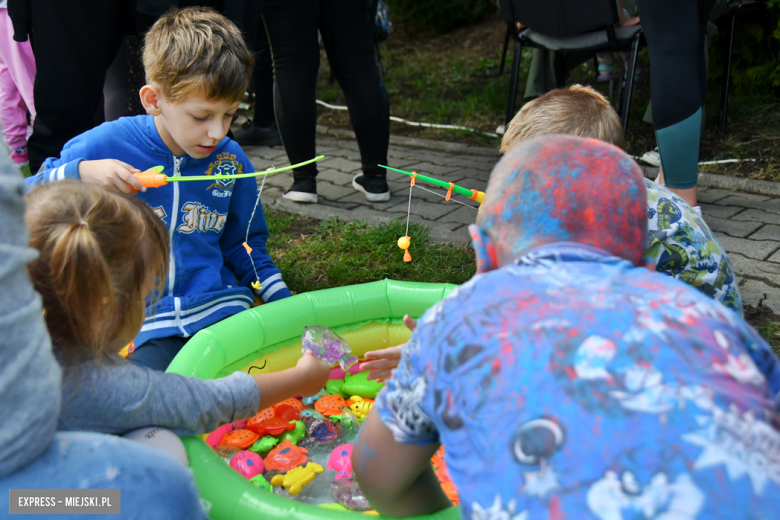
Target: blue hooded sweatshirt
{"points": [[210, 272]]}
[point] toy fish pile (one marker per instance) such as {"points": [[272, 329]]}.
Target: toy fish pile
{"points": [[303, 448]]}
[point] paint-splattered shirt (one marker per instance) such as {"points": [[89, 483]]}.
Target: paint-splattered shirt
{"points": [[574, 385], [681, 245]]}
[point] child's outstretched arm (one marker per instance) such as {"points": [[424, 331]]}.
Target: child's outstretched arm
{"points": [[386, 360], [118, 397], [306, 378], [398, 479]]}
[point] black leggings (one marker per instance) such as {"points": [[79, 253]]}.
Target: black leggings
{"points": [[675, 34], [347, 29]]}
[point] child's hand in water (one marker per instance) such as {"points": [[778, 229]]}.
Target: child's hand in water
{"points": [[313, 374], [386, 360], [111, 174]]}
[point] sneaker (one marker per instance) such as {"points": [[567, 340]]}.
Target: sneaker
{"points": [[375, 190], [302, 190], [258, 136], [652, 157], [21, 159]]}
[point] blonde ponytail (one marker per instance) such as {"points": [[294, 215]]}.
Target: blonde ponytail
{"points": [[97, 252]]}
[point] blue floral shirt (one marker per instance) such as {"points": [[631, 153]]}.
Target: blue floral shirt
{"points": [[574, 385], [681, 245]]}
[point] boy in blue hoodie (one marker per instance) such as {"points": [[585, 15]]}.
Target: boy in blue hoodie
{"points": [[197, 70]]}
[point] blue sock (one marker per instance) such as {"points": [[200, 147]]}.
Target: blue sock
{"points": [[678, 145]]}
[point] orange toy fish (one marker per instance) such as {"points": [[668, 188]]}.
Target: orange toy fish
{"points": [[330, 405], [440, 467], [239, 439], [272, 426], [268, 413], [295, 403], [286, 456]]}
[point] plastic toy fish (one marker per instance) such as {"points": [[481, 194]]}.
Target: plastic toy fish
{"points": [[247, 463], [298, 477], [327, 346], [360, 385], [440, 468], [214, 438], [286, 456], [273, 426], [313, 399], [262, 483], [311, 414], [263, 415], [323, 431], [360, 407], [330, 405], [290, 413], [296, 434], [333, 386], [340, 460], [240, 439], [295, 403], [265, 444]]}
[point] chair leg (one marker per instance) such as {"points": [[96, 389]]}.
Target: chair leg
{"points": [[724, 104], [629, 90], [506, 47], [510, 109]]}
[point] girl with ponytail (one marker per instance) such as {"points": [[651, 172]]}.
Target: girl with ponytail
{"points": [[103, 257]]}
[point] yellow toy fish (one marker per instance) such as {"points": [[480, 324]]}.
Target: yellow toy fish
{"points": [[296, 478], [360, 407]]}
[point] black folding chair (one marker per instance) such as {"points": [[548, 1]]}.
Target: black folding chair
{"points": [[571, 26]]}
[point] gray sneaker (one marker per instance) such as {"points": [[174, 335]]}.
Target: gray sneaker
{"points": [[652, 158]]}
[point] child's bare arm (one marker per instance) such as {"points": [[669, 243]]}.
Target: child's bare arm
{"points": [[386, 360], [398, 479], [111, 174], [306, 378]]}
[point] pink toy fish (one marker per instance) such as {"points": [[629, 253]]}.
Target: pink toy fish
{"points": [[248, 463], [341, 460]]}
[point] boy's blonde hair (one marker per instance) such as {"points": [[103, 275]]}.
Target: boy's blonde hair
{"points": [[577, 110], [98, 250], [197, 51]]}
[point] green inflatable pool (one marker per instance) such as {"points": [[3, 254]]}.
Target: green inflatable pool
{"points": [[267, 339]]}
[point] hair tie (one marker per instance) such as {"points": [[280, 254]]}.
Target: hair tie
{"points": [[83, 223]]}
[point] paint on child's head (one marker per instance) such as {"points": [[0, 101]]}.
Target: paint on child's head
{"points": [[566, 189]]}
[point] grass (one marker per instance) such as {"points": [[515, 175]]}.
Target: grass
{"points": [[315, 254]]}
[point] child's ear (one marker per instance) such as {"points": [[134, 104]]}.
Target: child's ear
{"points": [[484, 249], [150, 99]]}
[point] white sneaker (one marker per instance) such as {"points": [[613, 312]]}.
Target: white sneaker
{"points": [[652, 158]]}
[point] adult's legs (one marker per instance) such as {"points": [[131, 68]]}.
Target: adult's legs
{"points": [[153, 484], [675, 38], [13, 111], [292, 32], [347, 28], [71, 59], [19, 59], [263, 130]]}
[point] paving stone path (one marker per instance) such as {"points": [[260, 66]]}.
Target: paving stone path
{"points": [[747, 225]]}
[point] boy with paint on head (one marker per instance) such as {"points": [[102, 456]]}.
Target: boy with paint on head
{"points": [[679, 243], [197, 69], [568, 381]]}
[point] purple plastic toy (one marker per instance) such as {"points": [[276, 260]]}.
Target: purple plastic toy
{"points": [[347, 493], [327, 346]]}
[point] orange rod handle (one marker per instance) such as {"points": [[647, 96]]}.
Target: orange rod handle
{"points": [[151, 179]]}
